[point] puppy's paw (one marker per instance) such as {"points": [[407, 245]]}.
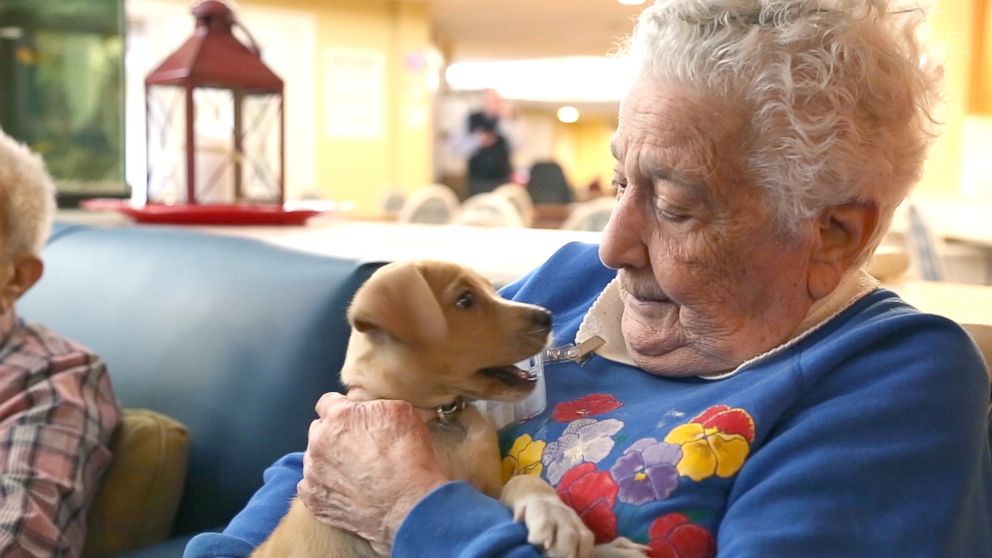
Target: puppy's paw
{"points": [[554, 526], [621, 547]]}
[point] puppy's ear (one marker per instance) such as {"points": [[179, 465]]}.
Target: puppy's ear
{"points": [[397, 300]]}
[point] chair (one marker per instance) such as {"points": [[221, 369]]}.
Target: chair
{"points": [[488, 210], [592, 215], [923, 245], [520, 199], [547, 184], [434, 204], [888, 262], [392, 202]]}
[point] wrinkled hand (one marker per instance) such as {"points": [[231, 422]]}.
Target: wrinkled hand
{"points": [[367, 463]]}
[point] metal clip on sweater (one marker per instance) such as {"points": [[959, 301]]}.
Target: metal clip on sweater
{"points": [[577, 353]]}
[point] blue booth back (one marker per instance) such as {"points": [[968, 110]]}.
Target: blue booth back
{"points": [[234, 337]]}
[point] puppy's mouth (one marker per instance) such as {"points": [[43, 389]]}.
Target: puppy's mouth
{"points": [[510, 375]]}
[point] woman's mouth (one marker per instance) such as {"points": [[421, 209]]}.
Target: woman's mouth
{"points": [[644, 296], [650, 305]]}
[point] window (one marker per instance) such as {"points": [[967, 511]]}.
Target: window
{"points": [[61, 63]]}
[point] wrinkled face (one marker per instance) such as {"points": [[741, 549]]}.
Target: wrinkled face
{"points": [[706, 280]]}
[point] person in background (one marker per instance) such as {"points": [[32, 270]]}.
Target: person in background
{"points": [[486, 142], [739, 385], [57, 408]]}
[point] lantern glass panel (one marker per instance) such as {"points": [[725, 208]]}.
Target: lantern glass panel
{"points": [[166, 144], [261, 163], [214, 152]]}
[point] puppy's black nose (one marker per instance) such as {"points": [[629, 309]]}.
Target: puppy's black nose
{"points": [[541, 317]]}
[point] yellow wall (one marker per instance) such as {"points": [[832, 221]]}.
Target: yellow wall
{"points": [[583, 149], [951, 32], [361, 170]]}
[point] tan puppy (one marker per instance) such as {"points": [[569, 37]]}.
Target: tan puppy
{"points": [[437, 335]]}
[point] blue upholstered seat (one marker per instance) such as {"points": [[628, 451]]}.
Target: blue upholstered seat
{"points": [[234, 337]]}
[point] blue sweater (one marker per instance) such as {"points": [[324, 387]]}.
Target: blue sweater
{"points": [[866, 437]]}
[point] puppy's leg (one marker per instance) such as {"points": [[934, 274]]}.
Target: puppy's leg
{"points": [[621, 547], [301, 535], [551, 524]]}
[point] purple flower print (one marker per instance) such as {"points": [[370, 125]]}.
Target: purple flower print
{"points": [[646, 471], [584, 440]]}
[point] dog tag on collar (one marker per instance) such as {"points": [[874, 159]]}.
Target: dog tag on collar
{"points": [[503, 413]]}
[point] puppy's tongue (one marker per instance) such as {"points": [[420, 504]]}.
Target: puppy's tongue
{"points": [[510, 375]]}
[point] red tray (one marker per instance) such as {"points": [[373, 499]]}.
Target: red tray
{"points": [[205, 214]]}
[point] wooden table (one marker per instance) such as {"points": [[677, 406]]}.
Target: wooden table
{"points": [[500, 254]]}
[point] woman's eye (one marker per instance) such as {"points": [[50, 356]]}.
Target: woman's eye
{"points": [[672, 216], [619, 184], [466, 300]]}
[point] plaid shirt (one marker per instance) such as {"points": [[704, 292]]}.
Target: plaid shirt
{"points": [[57, 412]]}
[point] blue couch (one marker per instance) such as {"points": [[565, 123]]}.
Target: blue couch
{"points": [[233, 337]]}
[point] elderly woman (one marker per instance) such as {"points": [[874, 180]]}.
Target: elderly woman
{"points": [[751, 391]]}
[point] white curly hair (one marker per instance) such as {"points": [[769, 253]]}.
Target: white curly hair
{"points": [[840, 94], [27, 199]]}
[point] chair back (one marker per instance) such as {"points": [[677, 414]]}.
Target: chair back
{"points": [[234, 338], [547, 184], [488, 210], [923, 245], [518, 196], [592, 215], [435, 204]]}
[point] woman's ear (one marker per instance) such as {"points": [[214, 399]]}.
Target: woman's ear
{"points": [[19, 274], [843, 233]]}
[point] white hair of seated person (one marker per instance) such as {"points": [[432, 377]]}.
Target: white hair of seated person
{"points": [[839, 94], [27, 199]]}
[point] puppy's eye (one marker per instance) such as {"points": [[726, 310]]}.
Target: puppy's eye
{"points": [[466, 300]]}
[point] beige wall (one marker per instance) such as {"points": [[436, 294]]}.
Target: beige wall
{"points": [[361, 170]]}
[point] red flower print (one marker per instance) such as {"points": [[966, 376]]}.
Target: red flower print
{"points": [[583, 407], [592, 494], [727, 420], [672, 536]]}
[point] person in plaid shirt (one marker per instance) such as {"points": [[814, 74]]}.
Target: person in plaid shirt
{"points": [[57, 408]]}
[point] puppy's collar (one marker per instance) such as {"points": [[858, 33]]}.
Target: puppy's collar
{"points": [[447, 414], [444, 414]]}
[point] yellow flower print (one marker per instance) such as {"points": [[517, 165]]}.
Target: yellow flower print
{"points": [[524, 457], [716, 442], [706, 451]]}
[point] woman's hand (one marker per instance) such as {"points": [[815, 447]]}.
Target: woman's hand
{"points": [[367, 463]]}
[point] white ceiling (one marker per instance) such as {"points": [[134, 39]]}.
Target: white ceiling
{"points": [[515, 29]]}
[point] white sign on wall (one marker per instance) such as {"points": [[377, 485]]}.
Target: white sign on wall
{"points": [[354, 93]]}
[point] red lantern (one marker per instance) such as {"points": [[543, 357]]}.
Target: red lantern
{"points": [[215, 122]]}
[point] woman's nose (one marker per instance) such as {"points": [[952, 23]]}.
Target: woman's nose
{"points": [[622, 244]]}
